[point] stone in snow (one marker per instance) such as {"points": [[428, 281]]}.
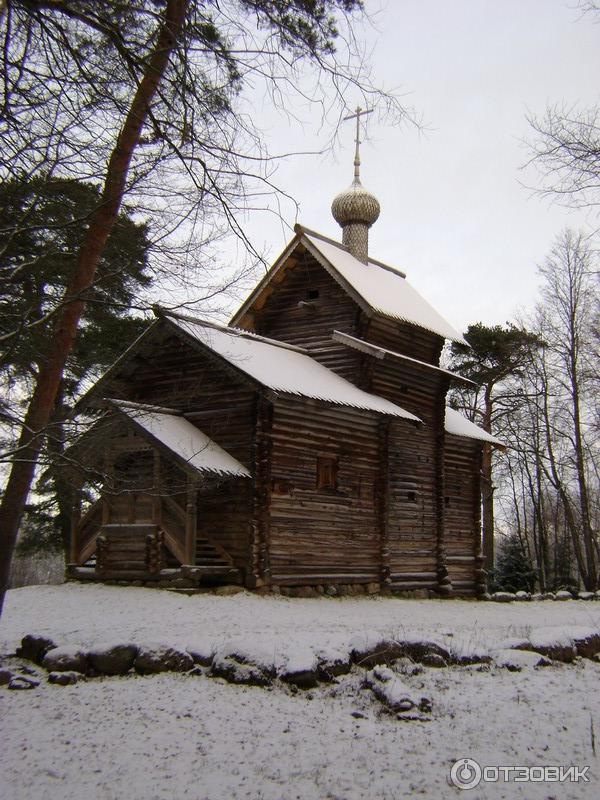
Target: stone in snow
{"points": [[516, 660], [153, 658], [23, 682], [563, 595], [228, 666], [5, 676], [65, 659], [112, 658], [64, 678], [301, 668], [553, 643], [201, 657], [34, 647], [586, 596], [393, 692], [370, 649], [586, 641], [332, 666], [503, 597]]}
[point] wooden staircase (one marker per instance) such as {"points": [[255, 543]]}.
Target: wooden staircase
{"points": [[129, 551], [148, 551], [213, 563]]}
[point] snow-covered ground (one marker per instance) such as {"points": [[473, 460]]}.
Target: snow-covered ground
{"points": [[179, 736]]}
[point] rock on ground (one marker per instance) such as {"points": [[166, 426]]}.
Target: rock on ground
{"points": [[64, 678], [20, 682], [113, 658], [516, 660], [235, 668], [65, 659], [162, 658], [34, 647], [393, 692]]}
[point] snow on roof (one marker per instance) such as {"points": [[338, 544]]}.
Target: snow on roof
{"points": [[283, 369], [185, 440], [458, 425], [384, 289], [380, 353]]}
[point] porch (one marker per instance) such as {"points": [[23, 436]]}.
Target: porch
{"points": [[146, 526]]}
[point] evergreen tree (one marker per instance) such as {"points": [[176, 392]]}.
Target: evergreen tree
{"points": [[492, 355], [513, 572], [43, 224]]}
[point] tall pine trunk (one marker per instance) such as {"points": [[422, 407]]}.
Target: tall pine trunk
{"points": [[101, 223]]}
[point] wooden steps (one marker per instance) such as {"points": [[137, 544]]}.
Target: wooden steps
{"points": [[125, 550], [209, 554]]}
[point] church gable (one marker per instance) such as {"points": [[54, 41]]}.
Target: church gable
{"points": [[302, 305]]}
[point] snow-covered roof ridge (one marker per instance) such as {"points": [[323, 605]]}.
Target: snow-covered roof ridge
{"points": [[458, 425], [231, 329], [300, 229], [187, 442], [282, 369], [382, 289]]}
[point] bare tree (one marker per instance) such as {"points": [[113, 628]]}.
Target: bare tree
{"points": [[572, 306], [566, 151], [122, 93], [549, 485], [566, 146]]}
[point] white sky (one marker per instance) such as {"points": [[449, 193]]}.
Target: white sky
{"points": [[454, 214]]}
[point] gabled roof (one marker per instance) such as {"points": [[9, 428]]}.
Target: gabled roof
{"points": [[281, 367], [458, 425], [377, 288], [185, 441]]}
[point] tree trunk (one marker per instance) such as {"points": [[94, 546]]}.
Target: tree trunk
{"points": [[584, 502], [55, 444], [100, 225]]}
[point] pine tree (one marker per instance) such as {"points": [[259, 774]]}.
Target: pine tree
{"points": [[514, 572]]}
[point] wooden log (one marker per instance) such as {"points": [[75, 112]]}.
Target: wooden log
{"points": [[191, 512]]}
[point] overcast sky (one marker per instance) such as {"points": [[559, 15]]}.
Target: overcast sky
{"points": [[454, 213]]}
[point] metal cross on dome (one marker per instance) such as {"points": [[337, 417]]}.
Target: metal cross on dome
{"points": [[360, 112]]}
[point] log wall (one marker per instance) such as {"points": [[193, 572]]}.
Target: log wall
{"points": [[462, 461], [322, 536], [403, 338], [281, 317], [415, 523]]}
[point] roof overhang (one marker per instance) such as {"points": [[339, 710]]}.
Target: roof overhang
{"points": [[169, 431], [382, 353]]}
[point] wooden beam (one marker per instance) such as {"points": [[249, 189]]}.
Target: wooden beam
{"points": [[191, 509], [156, 489], [75, 521]]}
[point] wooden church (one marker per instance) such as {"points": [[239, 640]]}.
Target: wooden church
{"points": [[307, 444]]}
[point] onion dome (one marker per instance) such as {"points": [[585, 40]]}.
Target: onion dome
{"points": [[355, 205], [356, 209]]}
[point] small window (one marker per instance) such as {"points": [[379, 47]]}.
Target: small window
{"points": [[446, 501], [327, 470], [312, 294], [281, 486], [412, 496]]}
